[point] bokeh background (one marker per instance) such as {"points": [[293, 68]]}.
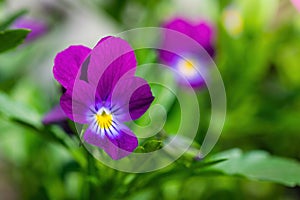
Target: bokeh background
{"points": [[257, 45]]}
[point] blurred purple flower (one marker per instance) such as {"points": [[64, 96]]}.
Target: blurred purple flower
{"points": [[57, 116], [187, 48], [296, 3], [54, 116], [38, 27], [105, 94]]}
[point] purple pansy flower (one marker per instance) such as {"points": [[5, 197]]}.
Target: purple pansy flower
{"points": [[186, 53], [38, 27], [102, 91]]}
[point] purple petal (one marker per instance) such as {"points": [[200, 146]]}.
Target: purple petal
{"points": [[140, 101], [180, 25], [131, 98], [202, 32], [38, 27], [118, 147], [204, 35], [57, 116], [67, 64], [54, 116], [196, 83], [174, 44], [169, 40], [77, 103], [110, 60]]}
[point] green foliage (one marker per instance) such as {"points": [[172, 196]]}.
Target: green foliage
{"points": [[152, 145], [259, 165], [10, 39], [10, 19], [17, 111]]}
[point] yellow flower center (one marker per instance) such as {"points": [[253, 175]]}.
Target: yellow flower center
{"points": [[104, 120], [187, 67]]}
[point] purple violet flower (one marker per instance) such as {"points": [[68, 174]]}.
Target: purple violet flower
{"points": [[104, 94], [38, 27], [185, 57]]}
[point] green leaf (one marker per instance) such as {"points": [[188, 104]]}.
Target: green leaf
{"points": [[260, 165], [7, 22], [139, 149], [12, 38], [152, 145], [18, 112]]}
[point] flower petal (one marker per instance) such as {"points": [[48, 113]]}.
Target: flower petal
{"points": [[37, 26], [110, 60], [67, 64], [182, 36], [196, 82], [204, 35], [77, 103], [118, 147], [133, 103], [54, 116], [202, 32], [180, 25], [169, 51], [140, 101]]}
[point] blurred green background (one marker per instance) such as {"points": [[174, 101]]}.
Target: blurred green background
{"points": [[258, 54]]}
